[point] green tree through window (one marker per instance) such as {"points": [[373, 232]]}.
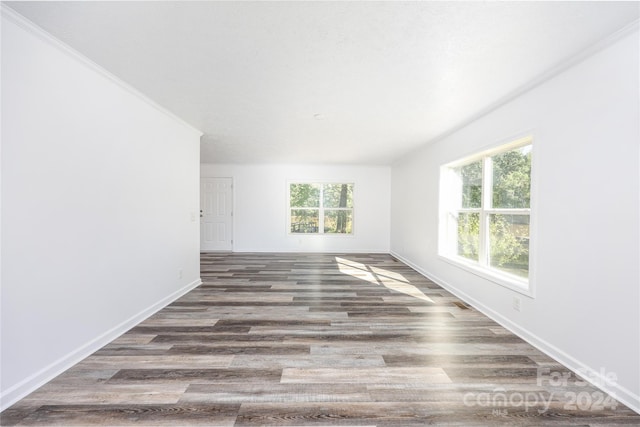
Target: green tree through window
{"points": [[321, 208], [493, 210]]}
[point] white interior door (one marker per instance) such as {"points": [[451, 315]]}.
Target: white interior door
{"points": [[216, 214]]}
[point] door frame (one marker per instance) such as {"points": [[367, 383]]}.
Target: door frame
{"points": [[233, 209]]}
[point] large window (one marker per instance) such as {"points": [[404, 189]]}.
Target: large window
{"points": [[321, 208], [485, 206]]}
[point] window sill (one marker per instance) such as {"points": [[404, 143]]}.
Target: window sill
{"points": [[508, 281], [321, 234]]}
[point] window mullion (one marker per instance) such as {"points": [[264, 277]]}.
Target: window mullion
{"points": [[321, 211], [492, 238], [487, 195], [509, 211]]}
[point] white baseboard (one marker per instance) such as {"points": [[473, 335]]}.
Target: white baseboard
{"points": [[594, 376], [46, 374], [304, 251]]}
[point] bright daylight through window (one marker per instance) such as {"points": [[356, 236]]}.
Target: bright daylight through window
{"points": [[321, 208], [485, 206]]}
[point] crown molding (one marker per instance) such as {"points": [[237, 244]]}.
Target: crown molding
{"points": [[11, 15], [532, 84]]}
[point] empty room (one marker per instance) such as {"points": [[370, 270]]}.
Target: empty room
{"points": [[238, 213]]}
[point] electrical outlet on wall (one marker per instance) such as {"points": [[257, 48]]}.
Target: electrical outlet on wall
{"points": [[180, 273], [516, 303]]}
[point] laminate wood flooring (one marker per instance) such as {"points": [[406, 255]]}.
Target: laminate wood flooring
{"points": [[317, 339]]}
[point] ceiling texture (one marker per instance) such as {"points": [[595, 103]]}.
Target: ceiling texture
{"points": [[327, 82]]}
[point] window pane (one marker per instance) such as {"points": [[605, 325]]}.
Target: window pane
{"points": [[304, 220], [304, 195], [468, 235], [471, 177], [338, 221], [512, 178], [509, 243], [338, 195]]}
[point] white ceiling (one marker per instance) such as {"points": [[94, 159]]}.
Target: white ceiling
{"points": [[327, 82]]}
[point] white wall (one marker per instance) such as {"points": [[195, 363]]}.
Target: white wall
{"points": [[260, 207], [586, 129], [98, 188]]}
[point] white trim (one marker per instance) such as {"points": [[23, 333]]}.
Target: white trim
{"points": [[493, 275], [321, 208], [233, 210], [498, 147], [446, 206], [552, 72], [305, 251], [46, 374], [594, 376], [39, 32]]}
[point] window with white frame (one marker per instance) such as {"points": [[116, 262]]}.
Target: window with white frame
{"points": [[321, 208], [485, 208]]}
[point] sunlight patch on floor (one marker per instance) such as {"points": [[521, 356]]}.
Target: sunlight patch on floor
{"points": [[380, 276]]}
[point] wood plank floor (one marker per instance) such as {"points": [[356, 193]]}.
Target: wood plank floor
{"points": [[317, 339]]}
